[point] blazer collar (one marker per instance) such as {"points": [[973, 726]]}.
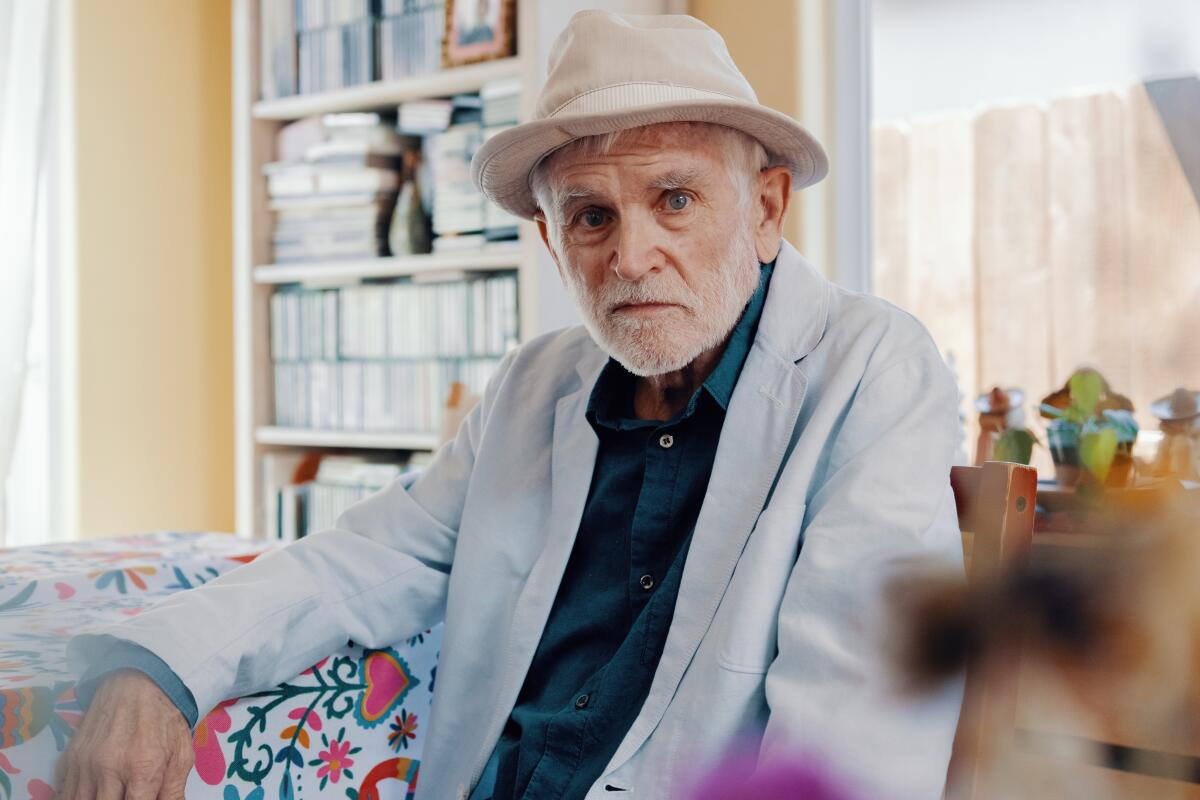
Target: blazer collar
{"points": [[797, 310]]}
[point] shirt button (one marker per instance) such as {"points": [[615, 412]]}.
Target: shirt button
{"points": [[666, 440], [646, 582], [582, 701]]}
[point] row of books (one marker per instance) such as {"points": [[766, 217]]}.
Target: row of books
{"points": [[388, 396], [410, 38], [461, 319], [298, 502], [320, 45]]}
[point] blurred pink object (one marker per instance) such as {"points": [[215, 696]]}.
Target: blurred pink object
{"points": [[740, 777]]}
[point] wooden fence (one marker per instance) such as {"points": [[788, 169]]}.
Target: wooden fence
{"points": [[1033, 239]]}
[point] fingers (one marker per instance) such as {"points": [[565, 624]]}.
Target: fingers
{"points": [[178, 770], [108, 788], [132, 744], [84, 788]]}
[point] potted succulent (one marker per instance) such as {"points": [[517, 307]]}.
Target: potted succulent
{"points": [[1091, 430]]}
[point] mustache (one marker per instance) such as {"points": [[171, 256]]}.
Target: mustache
{"points": [[612, 296]]}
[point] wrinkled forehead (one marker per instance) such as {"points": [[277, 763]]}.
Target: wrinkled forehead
{"points": [[645, 157]]}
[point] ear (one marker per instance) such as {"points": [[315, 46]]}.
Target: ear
{"points": [[771, 204], [544, 231]]}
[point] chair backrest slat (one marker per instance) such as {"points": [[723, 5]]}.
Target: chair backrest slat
{"points": [[995, 504]]}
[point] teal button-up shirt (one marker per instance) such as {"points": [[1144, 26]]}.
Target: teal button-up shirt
{"points": [[609, 622]]}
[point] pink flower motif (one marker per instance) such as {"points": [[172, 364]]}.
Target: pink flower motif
{"points": [[7, 765], [210, 760], [336, 759]]}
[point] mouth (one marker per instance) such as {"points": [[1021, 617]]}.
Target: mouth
{"points": [[643, 308]]}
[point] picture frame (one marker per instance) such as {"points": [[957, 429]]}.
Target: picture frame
{"points": [[479, 30]]}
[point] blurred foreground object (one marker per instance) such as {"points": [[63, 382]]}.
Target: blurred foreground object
{"points": [[1099, 631], [1179, 451], [740, 776]]}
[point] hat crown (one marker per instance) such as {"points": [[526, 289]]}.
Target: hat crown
{"points": [[601, 50]]}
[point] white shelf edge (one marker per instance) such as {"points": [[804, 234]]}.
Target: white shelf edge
{"points": [[499, 258], [381, 94], [303, 437]]}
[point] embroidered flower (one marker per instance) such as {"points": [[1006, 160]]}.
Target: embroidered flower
{"points": [[297, 732], [335, 761], [403, 729], [117, 577]]}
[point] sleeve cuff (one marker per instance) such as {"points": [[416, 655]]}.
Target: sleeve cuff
{"points": [[127, 655]]}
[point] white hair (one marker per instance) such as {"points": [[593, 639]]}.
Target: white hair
{"points": [[747, 156]]}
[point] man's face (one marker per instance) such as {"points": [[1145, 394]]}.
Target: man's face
{"points": [[654, 242]]}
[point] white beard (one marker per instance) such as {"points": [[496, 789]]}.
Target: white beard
{"points": [[671, 339]]}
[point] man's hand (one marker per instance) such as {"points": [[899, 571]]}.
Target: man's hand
{"points": [[133, 744]]}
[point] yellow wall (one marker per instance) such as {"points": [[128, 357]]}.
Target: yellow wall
{"points": [[762, 38], [153, 160]]}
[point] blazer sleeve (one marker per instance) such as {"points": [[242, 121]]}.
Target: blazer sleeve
{"points": [[884, 501], [379, 576]]}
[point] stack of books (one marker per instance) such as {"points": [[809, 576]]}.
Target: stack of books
{"points": [[335, 44], [457, 205], [410, 37], [381, 357], [423, 117], [501, 110], [333, 198], [294, 509]]}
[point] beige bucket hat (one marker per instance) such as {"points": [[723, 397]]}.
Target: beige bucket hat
{"points": [[609, 72]]}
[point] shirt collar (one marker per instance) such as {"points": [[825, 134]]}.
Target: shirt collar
{"points": [[611, 402]]}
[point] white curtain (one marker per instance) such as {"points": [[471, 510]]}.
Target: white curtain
{"points": [[26, 63]]}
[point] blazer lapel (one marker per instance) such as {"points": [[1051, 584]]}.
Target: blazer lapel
{"points": [[758, 427], [573, 458]]}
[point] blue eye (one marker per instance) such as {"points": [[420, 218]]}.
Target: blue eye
{"points": [[678, 201], [592, 218]]}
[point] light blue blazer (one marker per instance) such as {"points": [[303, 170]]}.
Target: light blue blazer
{"points": [[832, 471]]}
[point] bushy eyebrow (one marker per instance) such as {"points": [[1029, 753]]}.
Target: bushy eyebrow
{"points": [[573, 194], [676, 179]]}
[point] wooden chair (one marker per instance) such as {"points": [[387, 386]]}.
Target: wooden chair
{"points": [[996, 513]]}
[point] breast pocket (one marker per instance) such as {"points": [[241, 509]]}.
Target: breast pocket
{"points": [[748, 617]]}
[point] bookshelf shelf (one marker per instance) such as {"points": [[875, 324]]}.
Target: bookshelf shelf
{"points": [[386, 94], [303, 437], [541, 301], [490, 259]]}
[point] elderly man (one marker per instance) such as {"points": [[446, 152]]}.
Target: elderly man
{"points": [[657, 535]]}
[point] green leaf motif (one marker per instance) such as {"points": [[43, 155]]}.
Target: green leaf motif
{"points": [[1097, 449], [1086, 388]]}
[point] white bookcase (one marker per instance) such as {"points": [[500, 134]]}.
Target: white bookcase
{"points": [[542, 302]]}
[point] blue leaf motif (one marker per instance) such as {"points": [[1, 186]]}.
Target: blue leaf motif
{"points": [[290, 753], [20, 598]]}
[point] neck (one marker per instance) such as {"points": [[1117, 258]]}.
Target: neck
{"points": [[661, 397]]}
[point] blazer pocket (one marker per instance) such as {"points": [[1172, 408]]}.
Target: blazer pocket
{"points": [[749, 614]]}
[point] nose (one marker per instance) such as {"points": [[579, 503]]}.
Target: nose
{"points": [[636, 252]]}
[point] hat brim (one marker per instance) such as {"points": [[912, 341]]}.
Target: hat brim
{"points": [[502, 166], [1161, 409]]}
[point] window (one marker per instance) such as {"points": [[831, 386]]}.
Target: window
{"points": [[1035, 186]]}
